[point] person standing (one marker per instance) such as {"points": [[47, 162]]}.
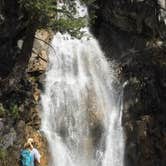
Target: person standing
{"points": [[26, 158], [34, 152]]}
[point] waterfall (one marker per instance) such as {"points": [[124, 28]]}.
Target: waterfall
{"points": [[82, 110]]}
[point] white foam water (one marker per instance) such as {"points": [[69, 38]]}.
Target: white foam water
{"points": [[82, 110]]}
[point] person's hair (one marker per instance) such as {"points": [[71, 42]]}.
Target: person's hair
{"points": [[31, 141], [27, 145]]}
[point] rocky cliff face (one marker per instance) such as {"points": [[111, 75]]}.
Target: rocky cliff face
{"points": [[132, 35], [19, 102], [20, 108]]}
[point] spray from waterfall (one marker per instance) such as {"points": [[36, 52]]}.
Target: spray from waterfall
{"points": [[82, 110]]}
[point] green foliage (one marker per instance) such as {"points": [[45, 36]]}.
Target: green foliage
{"points": [[36, 7], [2, 110], [46, 14], [3, 154], [14, 111], [33, 79], [92, 13], [10, 109], [71, 26], [39, 11]]}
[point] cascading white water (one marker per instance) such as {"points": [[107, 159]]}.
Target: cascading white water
{"points": [[81, 110]]}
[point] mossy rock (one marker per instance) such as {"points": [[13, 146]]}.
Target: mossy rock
{"points": [[3, 156]]}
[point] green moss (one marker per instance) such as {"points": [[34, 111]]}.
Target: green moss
{"points": [[3, 154], [72, 26], [2, 110], [14, 111], [33, 79]]}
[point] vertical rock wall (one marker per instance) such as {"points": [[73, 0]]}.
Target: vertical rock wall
{"points": [[132, 35], [20, 109]]}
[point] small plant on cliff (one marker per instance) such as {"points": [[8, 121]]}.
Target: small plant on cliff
{"points": [[3, 155], [14, 111]]}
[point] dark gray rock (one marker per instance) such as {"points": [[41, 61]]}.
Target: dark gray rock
{"points": [[8, 139], [129, 33]]}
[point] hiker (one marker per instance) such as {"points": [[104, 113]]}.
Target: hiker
{"points": [[26, 156], [34, 152]]}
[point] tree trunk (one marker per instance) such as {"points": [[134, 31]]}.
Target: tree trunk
{"points": [[11, 82]]}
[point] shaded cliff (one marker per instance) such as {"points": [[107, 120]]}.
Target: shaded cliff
{"points": [[132, 34], [23, 62], [16, 44], [20, 108]]}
